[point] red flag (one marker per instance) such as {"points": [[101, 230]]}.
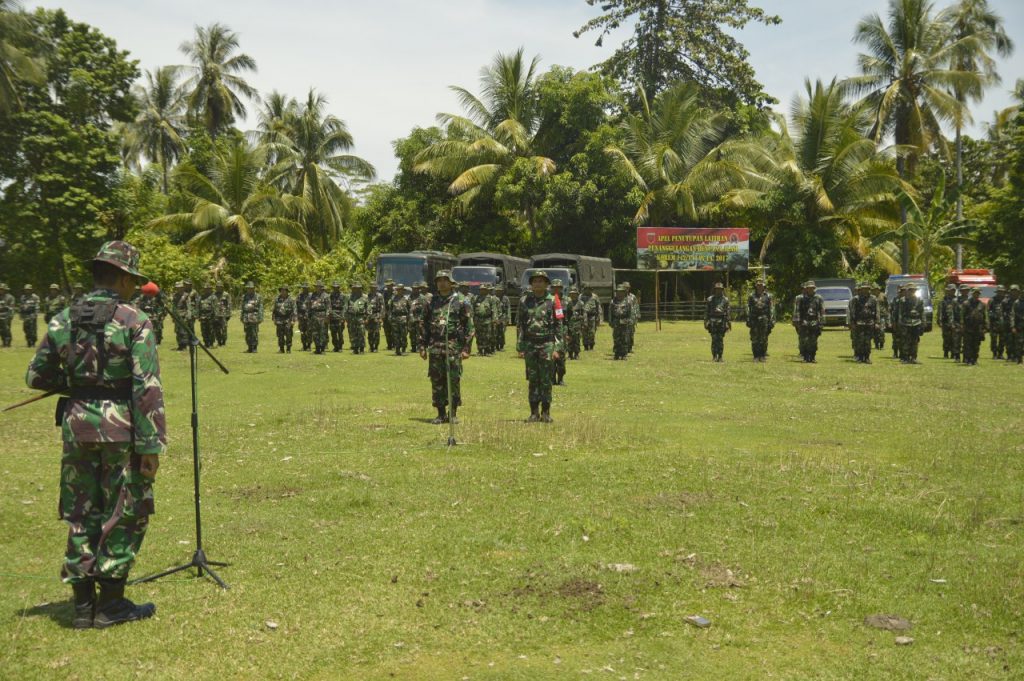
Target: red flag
{"points": [[559, 312]]}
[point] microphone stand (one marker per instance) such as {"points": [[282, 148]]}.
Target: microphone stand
{"points": [[199, 559]]}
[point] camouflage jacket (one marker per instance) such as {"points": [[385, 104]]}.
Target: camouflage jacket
{"points": [[620, 313], [1016, 315], [446, 325], [864, 312], [949, 312], [302, 304], [808, 311], [375, 312], [592, 308], [126, 358], [760, 310], [506, 310], [575, 315], [183, 306], [398, 309], [28, 306], [357, 310], [634, 303], [319, 305], [538, 324], [716, 312], [7, 306], [153, 307], [484, 310], [883, 308], [338, 306], [209, 307], [284, 310], [909, 312], [223, 304], [251, 308], [974, 316], [995, 312], [55, 304]]}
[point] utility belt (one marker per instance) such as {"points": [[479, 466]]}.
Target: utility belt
{"points": [[539, 339], [122, 392]]}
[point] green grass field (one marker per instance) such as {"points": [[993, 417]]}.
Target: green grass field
{"points": [[784, 502]]}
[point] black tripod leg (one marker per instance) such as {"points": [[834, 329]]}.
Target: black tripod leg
{"points": [[213, 574], [150, 578]]}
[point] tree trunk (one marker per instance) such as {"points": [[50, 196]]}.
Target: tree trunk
{"points": [[163, 164], [905, 241], [531, 220], [959, 195]]}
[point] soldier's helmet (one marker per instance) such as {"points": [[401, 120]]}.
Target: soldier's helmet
{"points": [[207, 286], [810, 284], [950, 287], [54, 287], [356, 285], [975, 291], [421, 284], [557, 283], [179, 284], [121, 255], [1014, 287], [250, 284], [389, 282], [335, 284], [760, 282], [574, 291], [627, 285], [718, 285], [319, 283], [621, 288], [3, 286], [863, 285], [963, 287], [28, 287], [445, 274], [187, 282], [1000, 289], [539, 273]]}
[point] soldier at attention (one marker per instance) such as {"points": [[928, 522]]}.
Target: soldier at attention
{"points": [[717, 320], [302, 314], [336, 317], [223, 314], [28, 310], [283, 316], [808, 315], [102, 355], [7, 308], [760, 320], [619, 315], [252, 316], [356, 312], [540, 343], [864, 321], [446, 334]]}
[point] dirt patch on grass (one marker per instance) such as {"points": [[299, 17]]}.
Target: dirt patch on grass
{"points": [[586, 593]]}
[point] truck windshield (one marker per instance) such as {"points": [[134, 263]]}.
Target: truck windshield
{"points": [[404, 270], [476, 275], [835, 293]]}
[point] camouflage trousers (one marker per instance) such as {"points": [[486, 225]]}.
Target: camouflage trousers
{"points": [[589, 335], [539, 371], [31, 328], [808, 341], [181, 333], [5, 332], [252, 335], [996, 343], [208, 327], [910, 337], [1015, 344], [373, 334], [414, 337], [285, 331], [439, 368], [304, 333], [861, 337], [573, 340], [337, 329], [759, 339], [558, 365], [499, 336], [357, 336], [630, 336], [880, 337], [620, 341], [399, 335], [389, 334], [220, 330], [106, 503], [972, 345], [950, 341], [158, 329], [318, 330], [717, 342], [897, 342], [483, 335]]}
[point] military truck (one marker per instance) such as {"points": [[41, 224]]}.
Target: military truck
{"points": [[576, 270], [410, 268]]}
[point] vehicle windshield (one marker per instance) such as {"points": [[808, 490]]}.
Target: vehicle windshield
{"points": [[838, 293], [479, 275], [404, 270], [922, 291], [987, 291], [568, 277]]}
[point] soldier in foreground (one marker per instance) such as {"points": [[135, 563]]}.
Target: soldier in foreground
{"points": [[101, 352], [446, 334], [252, 316], [808, 313], [760, 320], [283, 316], [55, 302], [620, 313], [540, 343], [911, 319], [975, 324], [7, 307], [356, 312], [28, 310], [336, 316], [717, 320], [949, 322], [223, 314], [864, 321], [302, 314]]}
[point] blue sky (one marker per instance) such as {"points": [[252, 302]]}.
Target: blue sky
{"points": [[386, 65]]}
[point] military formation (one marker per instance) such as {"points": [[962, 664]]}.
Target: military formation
{"points": [[965, 320]]}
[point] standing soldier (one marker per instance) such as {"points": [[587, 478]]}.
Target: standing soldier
{"points": [[338, 301], [56, 301], [224, 310], [505, 316], [540, 342], [302, 314], [319, 317], [864, 321], [634, 306], [995, 322], [154, 309], [420, 301], [592, 317], [356, 312], [193, 305], [808, 311], [102, 354], [575, 321], [7, 307], [1006, 314], [399, 316], [483, 320], [388, 294], [558, 292], [911, 316], [283, 316], [77, 293], [760, 320], [495, 319], [973, 315], [894, 320], [446, 334], [1016, 326], [717, 320], [251, 312], [374, 318], [619, 315], [183, 309], [209, 304], [948, 322], [883, 315], [28, 310]]}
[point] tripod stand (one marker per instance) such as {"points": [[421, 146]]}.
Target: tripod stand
{"points": [[199, 559]]}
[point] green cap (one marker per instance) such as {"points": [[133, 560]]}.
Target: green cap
{"points": [[356, 284], [54, 287], [335, 284], [3, 286], [539, 273], [250, 284], [574, 291], [28, 287], [557, 283], [719, 284], [445, 274], [77, 286], [810, 284], [620, 287], [121, 255], [1014, 287], [950, 287]]}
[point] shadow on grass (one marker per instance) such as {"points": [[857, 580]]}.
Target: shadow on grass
{"points": [[62, 613]]}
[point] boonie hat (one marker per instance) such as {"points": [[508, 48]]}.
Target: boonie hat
{"points": [[121, 255]]}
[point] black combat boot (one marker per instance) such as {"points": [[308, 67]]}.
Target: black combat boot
{"points": [[113, 608], [534, 415], [545, 412], [441, 417], [85, 603]]}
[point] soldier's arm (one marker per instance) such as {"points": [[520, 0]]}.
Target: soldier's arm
{"points": [[521, 326], [44, 371], [559, 326], [147, 405], [467, 314]]}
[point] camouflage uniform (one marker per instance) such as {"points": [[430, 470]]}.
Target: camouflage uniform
{"points": [[209, 304], [575, 321], [973, 314], [374, 318], [995, 323], [386, 296], [336, 318], [558, 365], [319, 317], [154, 309], [102, 353], [7, 307], [251, 313], [1007, 316], [193, 306], [55, 302], [634, 307], [540, 336], [28, 310], [864, 321], [356, 313], [504, 317], [911, 319], [808, 313], [760, 321], [592, 318], [1016, 325], [283, 316], [484, 313], [302, 314], [224, 309], [398, 318], [420, 300], [183, 308], [717, 320], [619, 315], [883, 316], [446, 334], [949, 322]]}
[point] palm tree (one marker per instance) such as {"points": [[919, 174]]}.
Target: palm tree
{"points": [[977, 31], [501, 126], [158, 130], [310, 148], [823, 157], [15, 64], [215, 88], [672, 151], [908, 79], [234, 205]]}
